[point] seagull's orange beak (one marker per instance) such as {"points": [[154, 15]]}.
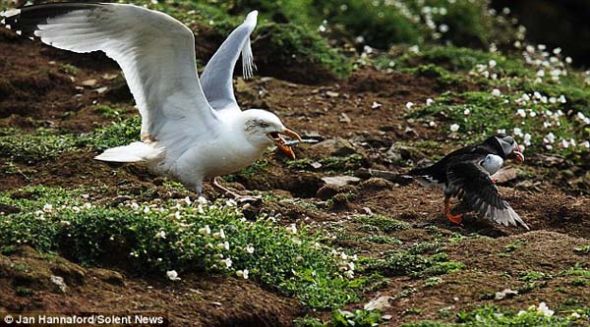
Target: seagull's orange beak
{"points": [[281, 143]]}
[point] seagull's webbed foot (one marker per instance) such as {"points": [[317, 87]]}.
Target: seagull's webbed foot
{"points": [[455, 219], [238, 197]]}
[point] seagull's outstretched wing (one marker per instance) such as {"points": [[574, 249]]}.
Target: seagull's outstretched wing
{"points": [[469, 181], [217, 77], [155, 52]]}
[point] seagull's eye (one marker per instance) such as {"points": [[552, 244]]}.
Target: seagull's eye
{"points": [[263, 124]]}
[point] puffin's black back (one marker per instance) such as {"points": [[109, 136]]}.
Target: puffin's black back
{"points": [[438, 170]]}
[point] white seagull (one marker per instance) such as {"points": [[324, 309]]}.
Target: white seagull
{"points": [[191, 130]]}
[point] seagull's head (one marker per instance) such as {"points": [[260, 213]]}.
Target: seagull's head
{"points": [[508, 147], [263, 128]]}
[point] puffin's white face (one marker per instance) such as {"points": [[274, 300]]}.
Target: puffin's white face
{"points": [[510, 148], [263, 128]]}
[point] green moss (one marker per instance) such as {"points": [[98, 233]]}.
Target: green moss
{"points": [[40, 145], [122, 131], [161, 236], [383, 223], [406, 263]]}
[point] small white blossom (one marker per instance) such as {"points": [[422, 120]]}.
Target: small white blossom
{"points": [[466, 112], [250, 248], [205, 230], [544, 309], [429, 101], [292, 228], [228, 263], [496, 92], [48, 207], [376, 105], [161, 235], [521, 113], [409, 105], [243, 273], [172, 275], [454, 127]]}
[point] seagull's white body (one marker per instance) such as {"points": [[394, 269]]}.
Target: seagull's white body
{"points": [[191, 129]]}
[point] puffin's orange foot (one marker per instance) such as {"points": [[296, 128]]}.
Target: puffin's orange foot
{"points": [[455, 219]]}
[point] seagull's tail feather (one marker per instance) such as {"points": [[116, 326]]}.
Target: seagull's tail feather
{"points": [[134, 152]]}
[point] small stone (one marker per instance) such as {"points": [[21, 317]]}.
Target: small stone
{"points": [[506, 293], [378, 303], [344, 118], [89, 83], [377, 184], [340, 180], [315, 165], [59, 283], [332, 94]]}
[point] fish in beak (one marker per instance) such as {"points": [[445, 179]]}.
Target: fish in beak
{"points": [[282, 144], [517, 153]]}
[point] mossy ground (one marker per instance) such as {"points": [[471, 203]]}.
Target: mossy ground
{"points": [[318, 260]]}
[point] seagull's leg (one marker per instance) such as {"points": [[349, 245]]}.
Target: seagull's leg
{"points": [[217, 184], [456, 219], [236, 196]]}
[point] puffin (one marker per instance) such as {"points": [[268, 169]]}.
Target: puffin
{"points": [[466, 174]]}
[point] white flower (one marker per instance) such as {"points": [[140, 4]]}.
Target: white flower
{"points": [[557, 51], [496, 92], [527, 139], [161, 235], [521, 113], [146, 209], [443, 28], [575, 315], [227, 262], [517, 131], [220, 234], [205, 230], [409, 105], [429, 101], [250, 248], [492, 63], [585, 144], [172, 275], [568, 60], [48, 207], [454, 127], [200, 199], [466, 112], [565, 144], [292, 228], [562, 99], [349, 274], [549, 138], [376, 105], [544, 309], [243, 273]]}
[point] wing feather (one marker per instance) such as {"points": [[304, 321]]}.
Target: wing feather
{"points": [[155, 52], [473, 185], [217, 77]]}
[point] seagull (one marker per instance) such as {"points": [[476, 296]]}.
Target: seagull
{"points": [[191, 130], [466, 174]]}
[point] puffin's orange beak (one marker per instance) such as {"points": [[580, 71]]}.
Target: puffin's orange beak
{"points": [[281, 143], [517, 153]]}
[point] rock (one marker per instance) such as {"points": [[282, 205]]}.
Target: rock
{"points": [[59, 283], [332, 94], [334, 147], [376, 184], [316, 165], [109, 276], [506, 293], [505, 175], [89, 83], [340, 180], [344, 118], [378, 303]]}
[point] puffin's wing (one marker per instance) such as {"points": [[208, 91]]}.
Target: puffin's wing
{"points": [[469, 181], [155, 52], [217, 77]]}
